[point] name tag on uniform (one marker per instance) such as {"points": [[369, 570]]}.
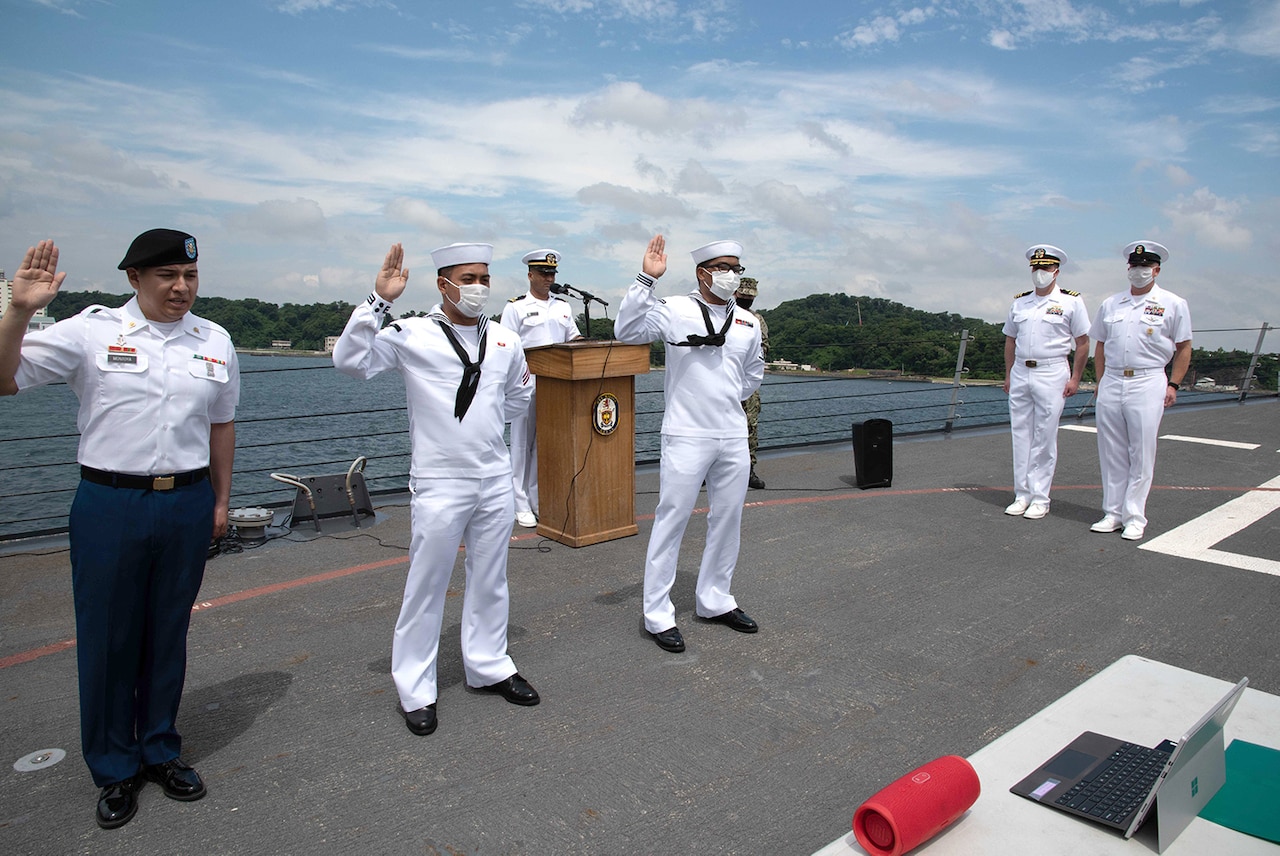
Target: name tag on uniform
{"points": [[119, 359]]}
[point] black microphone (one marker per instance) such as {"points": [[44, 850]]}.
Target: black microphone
{"points": [[557, 288]]}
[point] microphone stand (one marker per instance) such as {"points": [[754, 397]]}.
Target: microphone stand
{"points": [[585, 296]]}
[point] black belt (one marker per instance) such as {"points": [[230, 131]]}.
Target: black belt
{"points": [[168, 482]]}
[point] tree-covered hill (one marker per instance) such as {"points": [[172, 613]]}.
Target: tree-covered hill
{"points": [[840, 331]]}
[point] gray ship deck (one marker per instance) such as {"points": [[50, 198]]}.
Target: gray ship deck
{"points": [[897, 625]]}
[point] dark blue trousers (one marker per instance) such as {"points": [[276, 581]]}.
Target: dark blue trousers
{"points": [[137, 560]]}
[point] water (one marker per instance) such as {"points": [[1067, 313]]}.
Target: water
{"points": [[299, 415]]}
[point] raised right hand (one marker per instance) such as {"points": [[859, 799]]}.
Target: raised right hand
{"points": [[655, 257], [392, 278], [37, 281]]}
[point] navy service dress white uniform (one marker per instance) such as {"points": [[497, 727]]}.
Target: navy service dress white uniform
{"points": [[704, 429], [460, 477], [540, 318], [1137, 333], [151, 392], [1044, 326]]}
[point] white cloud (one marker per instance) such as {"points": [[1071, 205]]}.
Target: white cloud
{"points": [[275, 219], [695, 178], [1002, 39], [1210, 219], [418, 213], [631, 105], [787, 206], [635, 201], [1260, 34]]}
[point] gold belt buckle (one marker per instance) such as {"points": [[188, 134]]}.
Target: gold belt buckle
{"points": [[1031, 364], [1128, 372], [162, 483]]}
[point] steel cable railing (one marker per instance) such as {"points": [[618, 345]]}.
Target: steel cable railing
{"points": [[796, 411]]}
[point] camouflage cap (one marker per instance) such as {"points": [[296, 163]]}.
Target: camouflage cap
{"points": [[748, 286]]}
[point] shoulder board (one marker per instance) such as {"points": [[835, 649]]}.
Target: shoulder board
{"points": [[1023, 294], [519, 297], [1071, 293]]}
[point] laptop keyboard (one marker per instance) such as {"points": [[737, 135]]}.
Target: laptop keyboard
{"points": [[1118, 786]]}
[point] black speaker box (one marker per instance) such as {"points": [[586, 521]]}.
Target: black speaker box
{"points": [[873, 453]]}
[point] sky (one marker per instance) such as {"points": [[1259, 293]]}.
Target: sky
{"points": [[906, 150]]}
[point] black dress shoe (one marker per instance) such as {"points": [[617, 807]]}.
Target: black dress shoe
{"points": [[421, 721], [118, 803], [180, 782], [754, 481], [514, 689], [737, 619], [669, 640]]}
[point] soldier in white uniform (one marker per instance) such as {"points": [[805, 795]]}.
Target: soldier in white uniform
{"points": [[1137, 333], [1044, 326], [158, 387], [464, 378], [541, 319], [714, 363]]}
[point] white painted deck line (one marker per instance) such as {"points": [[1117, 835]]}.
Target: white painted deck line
{"points": [[1195, 538]]}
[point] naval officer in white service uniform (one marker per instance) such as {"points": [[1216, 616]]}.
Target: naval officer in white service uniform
{"points": [[540, 318], [1137, 333], [714, 363], [464, 378], [1044, 326], [158, 387]]}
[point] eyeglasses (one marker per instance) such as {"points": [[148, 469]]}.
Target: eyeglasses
{"points": [[725, 267]]}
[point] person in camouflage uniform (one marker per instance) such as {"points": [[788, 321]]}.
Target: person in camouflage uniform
{"points": [[748, 287]]}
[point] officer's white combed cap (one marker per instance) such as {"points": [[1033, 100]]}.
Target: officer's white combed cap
{"points": [[462, 254], [541, 258], [715, 250], [1146, 253], [1045, 254]]}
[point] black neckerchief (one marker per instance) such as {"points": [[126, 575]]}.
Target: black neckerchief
{"points": [[470, 370], [712, 338]]}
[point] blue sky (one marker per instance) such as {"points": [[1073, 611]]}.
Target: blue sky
{"points": [[907, 150]]}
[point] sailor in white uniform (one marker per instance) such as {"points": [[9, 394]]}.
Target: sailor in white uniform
{"points": [[1137, 333], [1044, 326], [464, 378], [714, 363], [541, 319]]}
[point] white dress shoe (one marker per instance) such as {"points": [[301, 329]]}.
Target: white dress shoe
{"points": [[1132, 532], [526, 519], [1036, 510], [1106, 524], [1017, 508]]}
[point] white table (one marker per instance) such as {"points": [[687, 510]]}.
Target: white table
{"points": [[1134, 699]]}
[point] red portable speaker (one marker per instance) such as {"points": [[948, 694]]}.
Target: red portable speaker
{"points": [[916, 807]]}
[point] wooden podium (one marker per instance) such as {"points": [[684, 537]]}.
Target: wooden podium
{"points": [[586, 405]]}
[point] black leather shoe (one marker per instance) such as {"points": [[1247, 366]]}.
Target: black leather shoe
{"points": [[669, 640], [737, 619], [514, 689], [180, 782], [421, 721], [754, 481], [118, 803]]}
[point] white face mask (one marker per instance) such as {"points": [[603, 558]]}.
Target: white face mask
{"points": [[724, 284], [1043, 278], [472, 298], [1141, 277]]}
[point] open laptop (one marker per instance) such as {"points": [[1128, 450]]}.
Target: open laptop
{"points": [[1116, 783]]}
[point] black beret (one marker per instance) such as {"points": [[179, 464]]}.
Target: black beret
{"points": [[158, 247]]}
